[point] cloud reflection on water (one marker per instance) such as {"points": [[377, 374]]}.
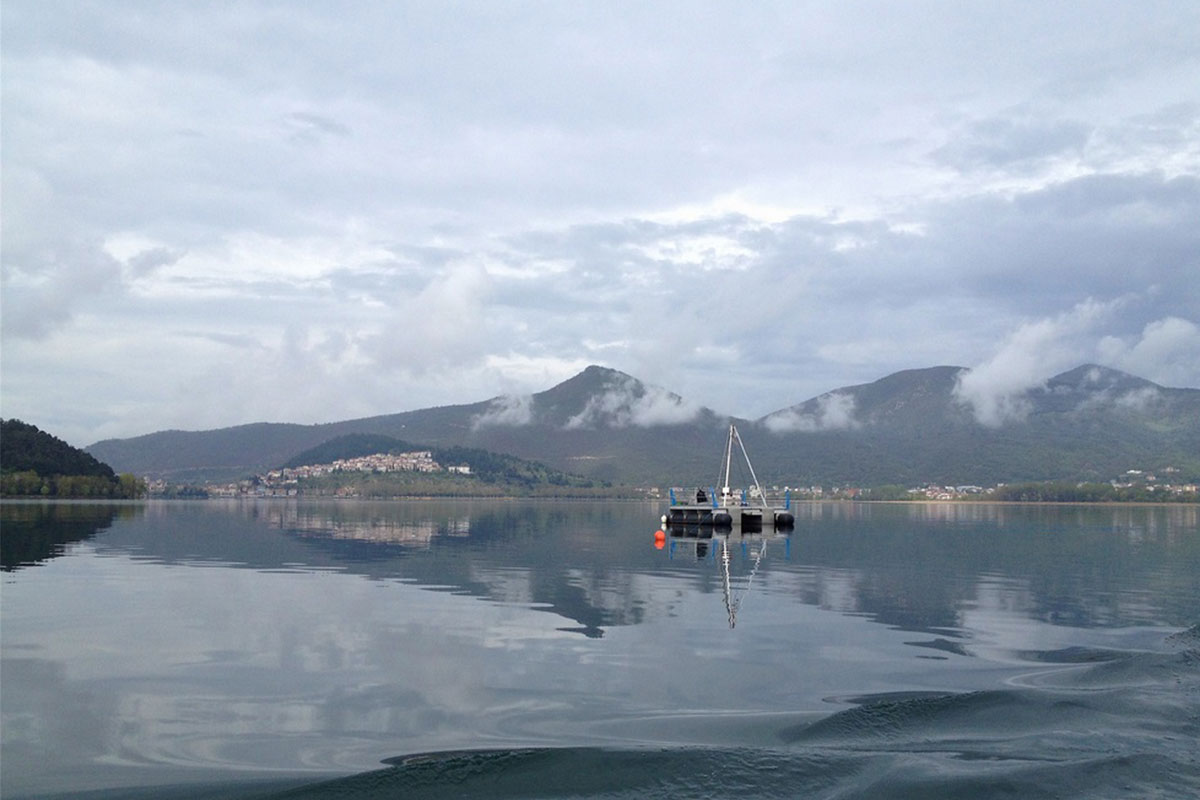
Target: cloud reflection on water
{"points": [[293, 636]]}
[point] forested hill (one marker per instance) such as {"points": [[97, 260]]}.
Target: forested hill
{"points": [[35, 464], [26, 448]]}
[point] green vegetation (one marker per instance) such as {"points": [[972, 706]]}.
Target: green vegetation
{"points": [[1068, 492], [500, 469], [25, 448], [886, 492], [35, 464], [29, 484], [184, 491]]}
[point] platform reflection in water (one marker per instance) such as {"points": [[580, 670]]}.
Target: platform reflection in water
{"points": [[889, 650]]}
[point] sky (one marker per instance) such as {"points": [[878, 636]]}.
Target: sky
{"points": [[216, 213]]}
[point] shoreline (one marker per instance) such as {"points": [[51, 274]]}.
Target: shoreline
{"points": [[31, 499]]}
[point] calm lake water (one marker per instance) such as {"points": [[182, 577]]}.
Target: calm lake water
{"points": [[521, 649]]}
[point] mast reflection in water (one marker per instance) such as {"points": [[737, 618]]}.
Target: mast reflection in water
{"points": [[723, 548], [877, 650]]}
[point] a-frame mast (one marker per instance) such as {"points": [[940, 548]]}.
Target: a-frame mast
{"points": [[725, 490]]}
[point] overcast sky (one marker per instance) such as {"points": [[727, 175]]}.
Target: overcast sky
{"points": [[218, 213]]}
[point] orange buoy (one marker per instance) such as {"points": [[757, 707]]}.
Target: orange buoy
{"points": [[660, 538]]}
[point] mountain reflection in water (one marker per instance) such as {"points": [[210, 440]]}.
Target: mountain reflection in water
{"points": [[159, 643], [35, 532]]}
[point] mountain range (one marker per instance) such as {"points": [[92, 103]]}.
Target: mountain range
{"points": [[911, 427]]}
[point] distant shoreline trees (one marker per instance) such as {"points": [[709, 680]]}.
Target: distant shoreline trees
{"points": [[1069, 492]]}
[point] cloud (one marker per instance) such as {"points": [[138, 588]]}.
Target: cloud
{"points": [[752, 205], [1032, 353], [43, 291], [442, 324], [149, 260], [629, 403], [834, 411], [1167, 351], [309, 128], [1104, 390], [623, 404], [1139, 399], [507, 410], [1013, 140]]}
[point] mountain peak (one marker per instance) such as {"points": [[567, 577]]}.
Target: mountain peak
{"points": [[602, 397], [911, 397], [1094, 377], [593, 376], [575, 391]]}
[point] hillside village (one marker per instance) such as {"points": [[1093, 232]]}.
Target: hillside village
{"points": [[285, 482]]}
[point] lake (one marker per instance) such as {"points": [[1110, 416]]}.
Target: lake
{"points": [[517, 649]]}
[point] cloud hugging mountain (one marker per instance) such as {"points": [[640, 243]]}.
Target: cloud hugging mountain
{"points": [[914, 426]]}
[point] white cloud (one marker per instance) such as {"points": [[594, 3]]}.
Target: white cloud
{"points": [[47, 290], [1103, 391], [1167, 352], [443, 324], [834, 411], [1139, 399], [507, 410], [705, 252], [1032, 353], [436, 207], [622, 406], [660, 407]]}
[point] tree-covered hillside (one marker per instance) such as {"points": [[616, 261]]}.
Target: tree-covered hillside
{"points": [[24, 447], [34, 463]]}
